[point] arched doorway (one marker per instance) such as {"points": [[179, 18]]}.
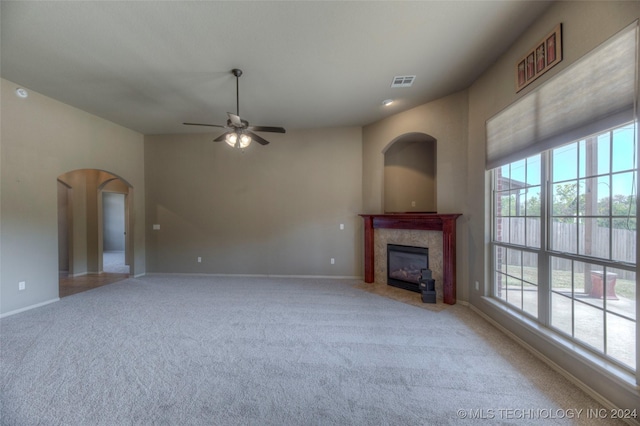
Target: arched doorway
{"points": [[410, 174], [81, 217]]}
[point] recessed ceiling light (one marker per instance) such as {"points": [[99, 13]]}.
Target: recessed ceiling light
{"points": [[22, 93], [387, 102]]}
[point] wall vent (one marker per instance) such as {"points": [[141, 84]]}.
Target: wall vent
{"points": [[403, 80]]}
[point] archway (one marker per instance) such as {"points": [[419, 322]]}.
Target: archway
{"points": [[81, 218], [410, 174]]}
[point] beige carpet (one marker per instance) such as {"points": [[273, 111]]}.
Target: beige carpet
{"points": [[197, 350]]}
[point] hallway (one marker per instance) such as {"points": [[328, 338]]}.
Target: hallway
{"points": [[114, 270]]}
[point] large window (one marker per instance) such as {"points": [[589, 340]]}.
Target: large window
{"points": [[564, 240], [517, 228]]}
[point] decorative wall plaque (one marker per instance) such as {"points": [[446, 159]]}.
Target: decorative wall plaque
{"points": [[540, 59]]}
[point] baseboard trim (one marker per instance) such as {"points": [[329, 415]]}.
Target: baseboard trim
{"points": [[328, 277], [566, 374], [28, 308]]}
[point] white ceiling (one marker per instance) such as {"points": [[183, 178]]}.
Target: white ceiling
{"points": [[151, 65]]}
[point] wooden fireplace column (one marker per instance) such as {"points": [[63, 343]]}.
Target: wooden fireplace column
{"points": [[420, 221]]}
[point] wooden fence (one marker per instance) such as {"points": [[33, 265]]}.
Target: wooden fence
{"points": [[564, 238]]}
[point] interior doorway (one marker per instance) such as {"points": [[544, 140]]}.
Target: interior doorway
{"points": [[114, 233], [94, 228]]}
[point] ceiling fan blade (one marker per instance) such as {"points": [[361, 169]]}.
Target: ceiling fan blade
{"points": [[236, 121], [267, 129], [201, 124], [258, 139], [221, 137]]}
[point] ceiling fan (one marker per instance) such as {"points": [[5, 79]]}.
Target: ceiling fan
{"points": [[240, 133]]}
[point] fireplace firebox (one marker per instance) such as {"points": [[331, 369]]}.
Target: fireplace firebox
{"points": [[405, 265]]}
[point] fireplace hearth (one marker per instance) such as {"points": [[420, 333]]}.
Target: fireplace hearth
{"points": [[405, 265]]}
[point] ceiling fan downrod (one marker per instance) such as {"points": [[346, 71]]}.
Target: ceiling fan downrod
{"points": [[237, 72]]}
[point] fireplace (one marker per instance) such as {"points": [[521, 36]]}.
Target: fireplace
{"points": [[445, 223], [405, 265]]}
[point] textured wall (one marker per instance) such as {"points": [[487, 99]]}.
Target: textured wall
{"points": [[585, 25], [271, 210], [41, 140], [445, 120], [410, 176]]}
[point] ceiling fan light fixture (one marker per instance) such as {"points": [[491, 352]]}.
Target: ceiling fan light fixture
{"points": [[245, 141], [231, 139], [238, 140]]}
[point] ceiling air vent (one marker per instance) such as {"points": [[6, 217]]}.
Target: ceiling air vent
{"points": [[403, 80]]}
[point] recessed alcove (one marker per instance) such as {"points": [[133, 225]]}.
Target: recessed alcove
{"points": [[410, 174]]}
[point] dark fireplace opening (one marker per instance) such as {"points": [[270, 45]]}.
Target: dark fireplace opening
{"points": [[405, 265]]}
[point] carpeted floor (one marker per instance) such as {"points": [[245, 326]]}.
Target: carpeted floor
{"points": [[113, 262], [196, 350]]}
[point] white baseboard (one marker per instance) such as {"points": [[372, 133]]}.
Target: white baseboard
{"points": [[329, 277], [27, 308]]}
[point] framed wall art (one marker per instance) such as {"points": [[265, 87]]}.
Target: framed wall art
{"points": [[539, 59]]}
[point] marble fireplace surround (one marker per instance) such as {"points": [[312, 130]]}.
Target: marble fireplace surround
{"points": [[434, 231]]}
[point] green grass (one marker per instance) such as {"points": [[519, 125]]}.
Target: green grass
{"points": [[562, 280]]}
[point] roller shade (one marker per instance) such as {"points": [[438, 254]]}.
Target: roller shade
{"points": [[595, 93]]}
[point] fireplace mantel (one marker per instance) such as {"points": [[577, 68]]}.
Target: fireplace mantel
{"points": [[420, 221]]}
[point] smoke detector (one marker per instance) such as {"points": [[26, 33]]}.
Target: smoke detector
{"points": [[403, 80], [22, 93]]}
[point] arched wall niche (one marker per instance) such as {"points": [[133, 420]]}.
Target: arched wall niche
{"points": [[82, 220], [410, 174]]}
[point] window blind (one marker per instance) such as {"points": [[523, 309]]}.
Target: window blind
{"points": [[597, 92]]}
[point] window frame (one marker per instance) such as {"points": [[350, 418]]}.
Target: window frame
{"points": [[545, 254]]}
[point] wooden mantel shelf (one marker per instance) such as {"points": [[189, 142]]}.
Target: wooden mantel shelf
{"points": [[420, 221]]}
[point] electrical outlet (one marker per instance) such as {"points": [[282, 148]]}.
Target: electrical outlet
{"points": [[342, 226], [22, 285], [413, 204], [477, 286], [333, 261], [199, 259]]}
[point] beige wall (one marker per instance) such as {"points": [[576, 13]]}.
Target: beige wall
{"points": [[585, 26], [85, 225], [41, 139], [272, 210], [457, 122], [410, 176], [276, 209], [445, 120], [64, 228]]}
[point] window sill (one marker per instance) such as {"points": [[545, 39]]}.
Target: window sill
{"points": [[620, 375]]}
